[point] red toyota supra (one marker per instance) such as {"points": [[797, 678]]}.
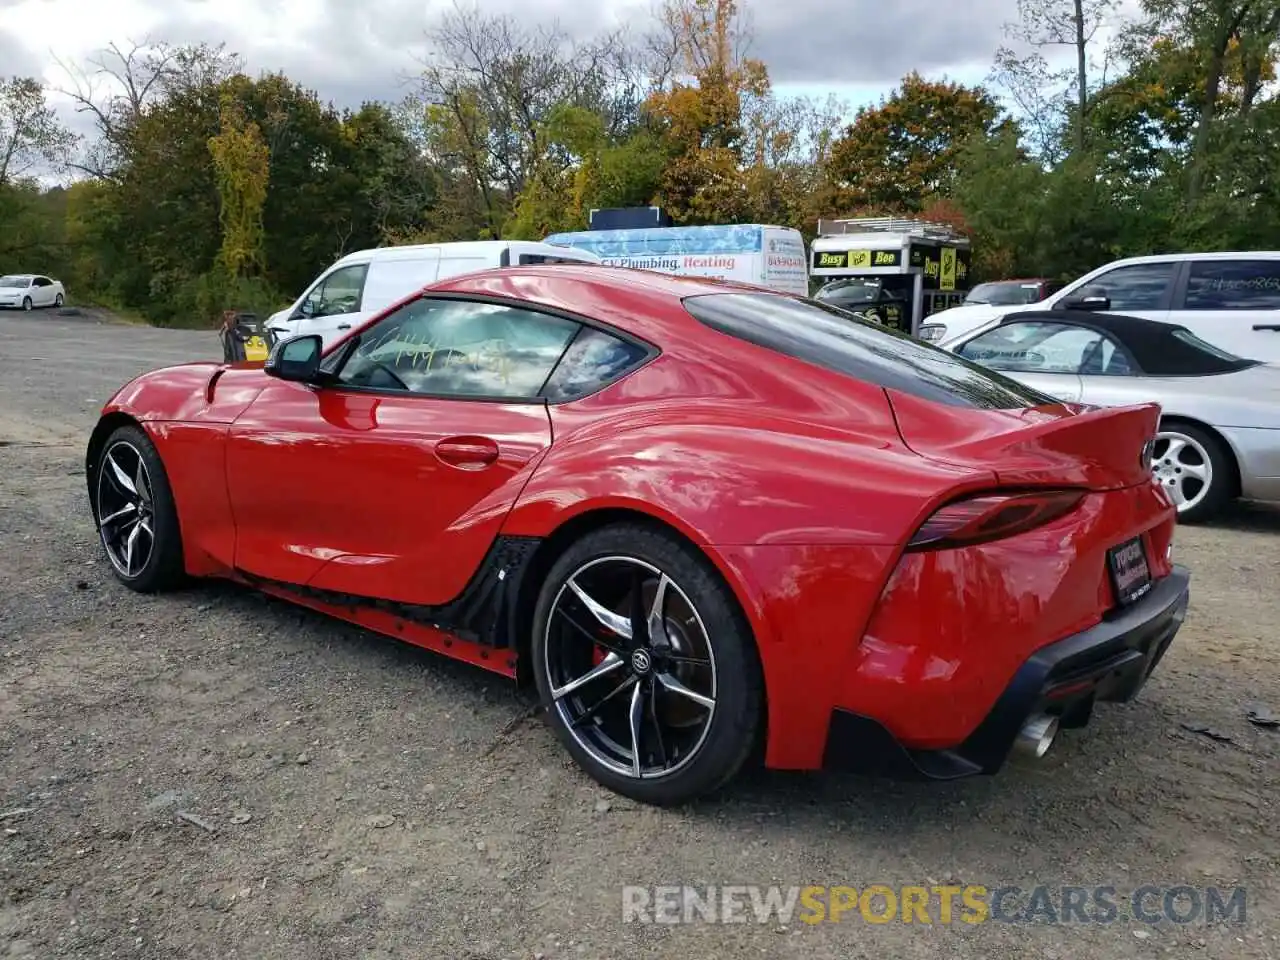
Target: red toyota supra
{"points": [[701, 518]]}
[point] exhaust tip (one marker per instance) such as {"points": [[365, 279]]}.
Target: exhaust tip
{"points": [[1037, 736]]}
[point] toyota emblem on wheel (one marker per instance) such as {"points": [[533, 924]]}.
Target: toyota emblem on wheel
{"points": [[641, 661]]}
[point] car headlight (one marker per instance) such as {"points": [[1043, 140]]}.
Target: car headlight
{"points": [[932, 332]]}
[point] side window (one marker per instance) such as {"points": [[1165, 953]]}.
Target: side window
{"points": [[41, 282], [1139, 286], [1036, 347], [459, 348], [593, 361], [1233, 285], [337, 293], [531, 259]]}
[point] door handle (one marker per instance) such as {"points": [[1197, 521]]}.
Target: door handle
{"points": [[467, 453], [1267, 326], [344, 326]]}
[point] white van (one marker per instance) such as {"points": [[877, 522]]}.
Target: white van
{"points": [[362, 283], [755, 253]]}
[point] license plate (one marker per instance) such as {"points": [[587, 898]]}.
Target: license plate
{"points": [[1130, 575]]}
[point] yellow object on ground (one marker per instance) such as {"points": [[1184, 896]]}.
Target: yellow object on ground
{"points": [[255, 348]]}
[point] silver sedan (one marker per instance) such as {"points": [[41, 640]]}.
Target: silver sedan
{"points": [[1220, 425]]}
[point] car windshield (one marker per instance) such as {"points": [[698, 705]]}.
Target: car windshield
{"points": [[1006, 293], [850, 291], [14, 281], [820, 333]]}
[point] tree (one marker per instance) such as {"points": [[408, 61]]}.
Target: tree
{"points": [[700, 113], [1043, 95], [243, 167], [585, 168], [1232, 43], [485, 94], [30, 134], [117, 84], [898, 156]]}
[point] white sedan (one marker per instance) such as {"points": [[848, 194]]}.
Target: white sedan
{"points": [[30, 290]]}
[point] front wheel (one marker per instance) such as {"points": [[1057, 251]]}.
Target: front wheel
{"points": [[58, 301], [134, 510], [26, 303], [645, 665], [1194, 469]]}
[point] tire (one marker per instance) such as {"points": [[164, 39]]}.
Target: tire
{"points": [[716, 740], [1182, 445], [126, 448], [58, 301], [26, 303]]}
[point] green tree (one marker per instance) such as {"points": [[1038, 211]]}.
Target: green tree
{"points": [[242, 165], [903, 154], [30, 133], [1045, 98]]}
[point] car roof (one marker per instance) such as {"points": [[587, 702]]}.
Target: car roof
{"points": [[1183, 257], [642, 302], [1159, 348], [19, 276], [471, 248]]}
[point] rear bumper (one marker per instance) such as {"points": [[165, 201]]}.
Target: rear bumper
{"points": [[1109, 662]]}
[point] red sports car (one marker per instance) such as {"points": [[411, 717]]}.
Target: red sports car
{"points": [[702, 518]]}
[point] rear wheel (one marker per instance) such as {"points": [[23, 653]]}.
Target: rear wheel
{"points": [[134, 509], [26, 303], [58, 300], [645, 665], [1194, 469]]}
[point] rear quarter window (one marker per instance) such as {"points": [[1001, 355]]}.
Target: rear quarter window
{"points": [[827, 336], [594, 360]]}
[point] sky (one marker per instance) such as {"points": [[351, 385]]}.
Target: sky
{"points": [[350, 51]]}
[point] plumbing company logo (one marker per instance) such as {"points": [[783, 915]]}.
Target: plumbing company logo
{"points": [[933, 905], [663, 264]]}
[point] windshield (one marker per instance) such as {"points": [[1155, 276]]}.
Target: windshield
{"points": [[1006, 293], [828, 336], [14, 281], [850, 291]]}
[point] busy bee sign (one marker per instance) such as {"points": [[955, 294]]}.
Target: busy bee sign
{"points": [[943, 268], [856, 259]]}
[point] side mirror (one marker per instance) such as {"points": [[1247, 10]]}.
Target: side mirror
{"points": [[306, 309], [1090, 298], [296, 359]]}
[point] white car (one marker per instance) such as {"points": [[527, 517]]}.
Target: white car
{"points": [[1231, 300], [26, 291], [362, 283]]}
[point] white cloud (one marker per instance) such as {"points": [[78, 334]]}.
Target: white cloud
{"points": [[350, 50]]}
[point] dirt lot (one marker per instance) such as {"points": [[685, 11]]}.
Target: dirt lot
{"points": [[363, 799]]}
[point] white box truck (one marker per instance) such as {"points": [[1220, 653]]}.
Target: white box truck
{"points": [[760, 254]]}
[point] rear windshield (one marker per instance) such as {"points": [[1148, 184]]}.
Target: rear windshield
{"points": [[827, 336], [1200, 356]]}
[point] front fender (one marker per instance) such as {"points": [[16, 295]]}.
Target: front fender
{"points": [[201, 391]]}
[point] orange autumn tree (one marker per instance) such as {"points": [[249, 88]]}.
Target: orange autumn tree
{"points": [[699, 112]]}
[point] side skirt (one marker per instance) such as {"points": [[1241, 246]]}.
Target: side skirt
{"points": [[479, 626]]}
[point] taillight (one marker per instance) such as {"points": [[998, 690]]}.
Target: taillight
{"points": [[992, 516]]}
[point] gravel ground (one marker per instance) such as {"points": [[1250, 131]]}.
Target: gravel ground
{"points": [[213, 774]]}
